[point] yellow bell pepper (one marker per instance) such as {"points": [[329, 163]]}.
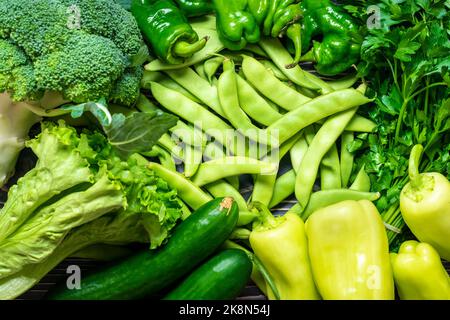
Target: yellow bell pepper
{"points": [[280, 244], [425, 205], [419, 273], [349, 252]]}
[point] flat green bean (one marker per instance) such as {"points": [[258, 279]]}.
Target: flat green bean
{"points": [[322, 142], [284, 187], [240, 234], [307, 92], [315, 110], [360, 124], [165, 158], [222, 189], [357, 124], [153, 76], [264, 185], [212, 65], [229, 100], [200, 70], [182, 131], [230, 166], [297, 152], [192, 195], [281, 57], [246, 217], [346, 159], [321, 199], [269, 65], [189, 135], [266, 83], [362, 181], [330, 170], [171, 146], [186, 212], [254, 48], [254, 105], [196, 114], [213, 45], [215, 151], [309, 133], [344, 82], [234, 181], [198, 86], [192, 160]]}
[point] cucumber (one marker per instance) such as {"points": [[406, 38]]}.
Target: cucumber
{"points": [[221, 278], [148, 272]]}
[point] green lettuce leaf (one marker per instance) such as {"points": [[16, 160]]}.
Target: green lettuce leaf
{"points": [[116, 229]]}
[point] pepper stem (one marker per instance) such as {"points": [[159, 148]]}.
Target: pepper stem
{"points": [[265, 219], [185, 49], [294, 32], [413, 166], [308, 57]]}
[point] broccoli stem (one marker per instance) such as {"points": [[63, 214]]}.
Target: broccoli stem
{"points": [[15, 122]]}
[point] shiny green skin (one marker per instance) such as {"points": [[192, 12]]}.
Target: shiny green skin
{"points": [[221, 278], [235, 24], [195, 8], [148, 272], [163, 24], [340, 46]]}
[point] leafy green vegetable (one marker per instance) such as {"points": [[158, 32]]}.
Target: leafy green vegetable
{"points": [[77, 179], [406, 61], [114, 228], [135, 133], [138, 132]]}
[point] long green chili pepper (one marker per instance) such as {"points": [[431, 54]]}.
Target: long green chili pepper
{"points": [[167, 30]]}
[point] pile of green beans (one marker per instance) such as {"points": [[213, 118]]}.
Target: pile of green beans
{"points": [[243, 113]]}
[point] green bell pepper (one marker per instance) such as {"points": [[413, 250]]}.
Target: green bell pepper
{"points": [[235, 24], [280, 244], [341, 44], [277, 18], [425, 205], [195, 8], [349, 252], [167, 30], [419, 273]]}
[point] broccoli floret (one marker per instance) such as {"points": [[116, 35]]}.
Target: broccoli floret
{"points": [[16, 73], [37, 26], [107, 18], [126, 90], [79, 49], [84, 69]]}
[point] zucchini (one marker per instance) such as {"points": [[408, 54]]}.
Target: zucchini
{"points": [[148, 272], [221, 278]]}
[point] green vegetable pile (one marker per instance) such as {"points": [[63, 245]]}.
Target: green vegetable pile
{"points": [[187, 126]]}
